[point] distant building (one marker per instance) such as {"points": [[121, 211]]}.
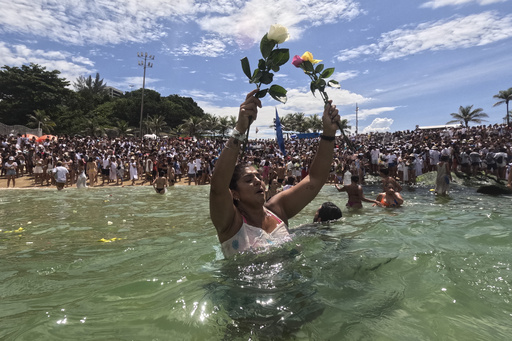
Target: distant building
{"points": [[113, 92], [442, 126]]}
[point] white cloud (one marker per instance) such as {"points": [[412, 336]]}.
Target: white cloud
{"points": [[343, 76], [207, 48], [464, 32], [100, 22], [380, 124], [69, 65], [442, 3]]}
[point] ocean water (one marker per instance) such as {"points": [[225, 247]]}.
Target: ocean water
{"points": [[127, 264]]}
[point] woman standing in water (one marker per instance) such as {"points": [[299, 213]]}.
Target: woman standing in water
{"points": [[244, 221], [444, 176]]}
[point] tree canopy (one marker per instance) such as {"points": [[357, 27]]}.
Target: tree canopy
{"points": [[33, 96]]}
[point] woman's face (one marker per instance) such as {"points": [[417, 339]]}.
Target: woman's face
{"points": [[250, 186]]}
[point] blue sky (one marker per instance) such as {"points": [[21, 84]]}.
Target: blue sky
{"points": [[404, 62]]}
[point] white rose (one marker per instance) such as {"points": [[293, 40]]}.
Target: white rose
{"points": [[278, 33]]}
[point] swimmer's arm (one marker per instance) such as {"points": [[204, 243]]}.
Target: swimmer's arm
{"points": [[222, 209], [290, 202], [363, 198], [340, 189]]}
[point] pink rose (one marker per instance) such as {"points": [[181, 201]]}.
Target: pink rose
{"points": [[297, 61]]}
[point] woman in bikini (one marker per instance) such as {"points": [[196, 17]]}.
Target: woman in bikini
{"points": [[390, 198], [243, 219]]}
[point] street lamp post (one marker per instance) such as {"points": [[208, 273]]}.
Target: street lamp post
{"points": [[144, 63]]}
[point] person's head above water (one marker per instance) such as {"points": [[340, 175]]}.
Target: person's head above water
{"points": [[327, 212]]}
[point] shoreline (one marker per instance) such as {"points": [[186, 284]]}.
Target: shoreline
{"points": [[27, 182]]}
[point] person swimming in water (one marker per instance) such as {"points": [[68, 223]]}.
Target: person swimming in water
{"points": [[355, 193], [390, 198], [243, 219], [160, 184]]}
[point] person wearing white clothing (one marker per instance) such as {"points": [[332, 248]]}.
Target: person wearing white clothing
{"points": [[60, 173]]}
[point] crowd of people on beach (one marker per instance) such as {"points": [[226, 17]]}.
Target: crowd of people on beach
{"points": [[404, 155]]}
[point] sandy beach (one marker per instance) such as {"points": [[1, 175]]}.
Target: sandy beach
{"points": [[27, 181]]}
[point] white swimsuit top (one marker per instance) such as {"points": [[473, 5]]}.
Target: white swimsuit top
{"points": [[255, 238]]}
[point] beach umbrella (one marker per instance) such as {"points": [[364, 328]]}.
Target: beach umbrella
{"points": [[44, 137], [30, 136]]}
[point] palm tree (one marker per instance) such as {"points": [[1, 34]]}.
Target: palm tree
{"points": [[224, 126], [314, 123], [42, 121], [155, 124], [344, 127], [211, 123], [94, 87], [505, 96], [123, 128], [467, 114], [193, 125], [232, 121]]}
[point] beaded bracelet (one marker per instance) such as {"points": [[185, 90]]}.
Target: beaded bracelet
{"points": [[237, 135], [327, 138]]}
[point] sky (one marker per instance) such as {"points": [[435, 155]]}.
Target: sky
{"points": [[402, 62]]}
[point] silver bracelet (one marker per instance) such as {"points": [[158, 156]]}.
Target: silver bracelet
{"points": [[237, 135]]}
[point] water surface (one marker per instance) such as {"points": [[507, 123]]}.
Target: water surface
{"points": [[435, 269]]}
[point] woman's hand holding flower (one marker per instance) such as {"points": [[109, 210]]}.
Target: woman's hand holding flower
{"points": [[248, 111], [330, 119]]}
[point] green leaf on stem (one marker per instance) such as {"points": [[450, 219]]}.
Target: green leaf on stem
{"points": [[276, 68], [313, 87], [245, 67], [266, 46], [262, 65], [261, 93], [333, 84], [319, 68], [256, 76], [266, 77], [278, 57], [327, 73], [278, 93], [308, 66]]}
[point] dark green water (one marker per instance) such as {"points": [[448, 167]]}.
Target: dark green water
{"points": [[436, 269]]}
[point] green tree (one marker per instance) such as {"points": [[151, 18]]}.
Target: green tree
{"points": [[224, 126], [314, 123], [88, 85], [28, 88], [42, 121], [345, 128], [123, 128], [156, 124], [505, 96], [193, 126], [467, 114]]}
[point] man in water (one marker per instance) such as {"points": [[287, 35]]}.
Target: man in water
{"points": [[60, 173], [355, 193], [160, 184]]}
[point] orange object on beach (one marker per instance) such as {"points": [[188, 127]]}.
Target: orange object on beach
{"points": [[44, 137], [30, 136]]}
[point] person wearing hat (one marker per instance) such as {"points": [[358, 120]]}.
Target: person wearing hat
{"points": [[10, 168]]}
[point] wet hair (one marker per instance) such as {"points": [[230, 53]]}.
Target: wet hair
{"points": [[238, 172], [384, 171], [329, 211], [354, 178]]}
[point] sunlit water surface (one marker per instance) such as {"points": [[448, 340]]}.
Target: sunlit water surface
{"points": [[435, 269]]}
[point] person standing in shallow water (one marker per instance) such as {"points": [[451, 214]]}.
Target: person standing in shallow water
{"points": [[243, 219], [444, 176], [355, 193]]}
